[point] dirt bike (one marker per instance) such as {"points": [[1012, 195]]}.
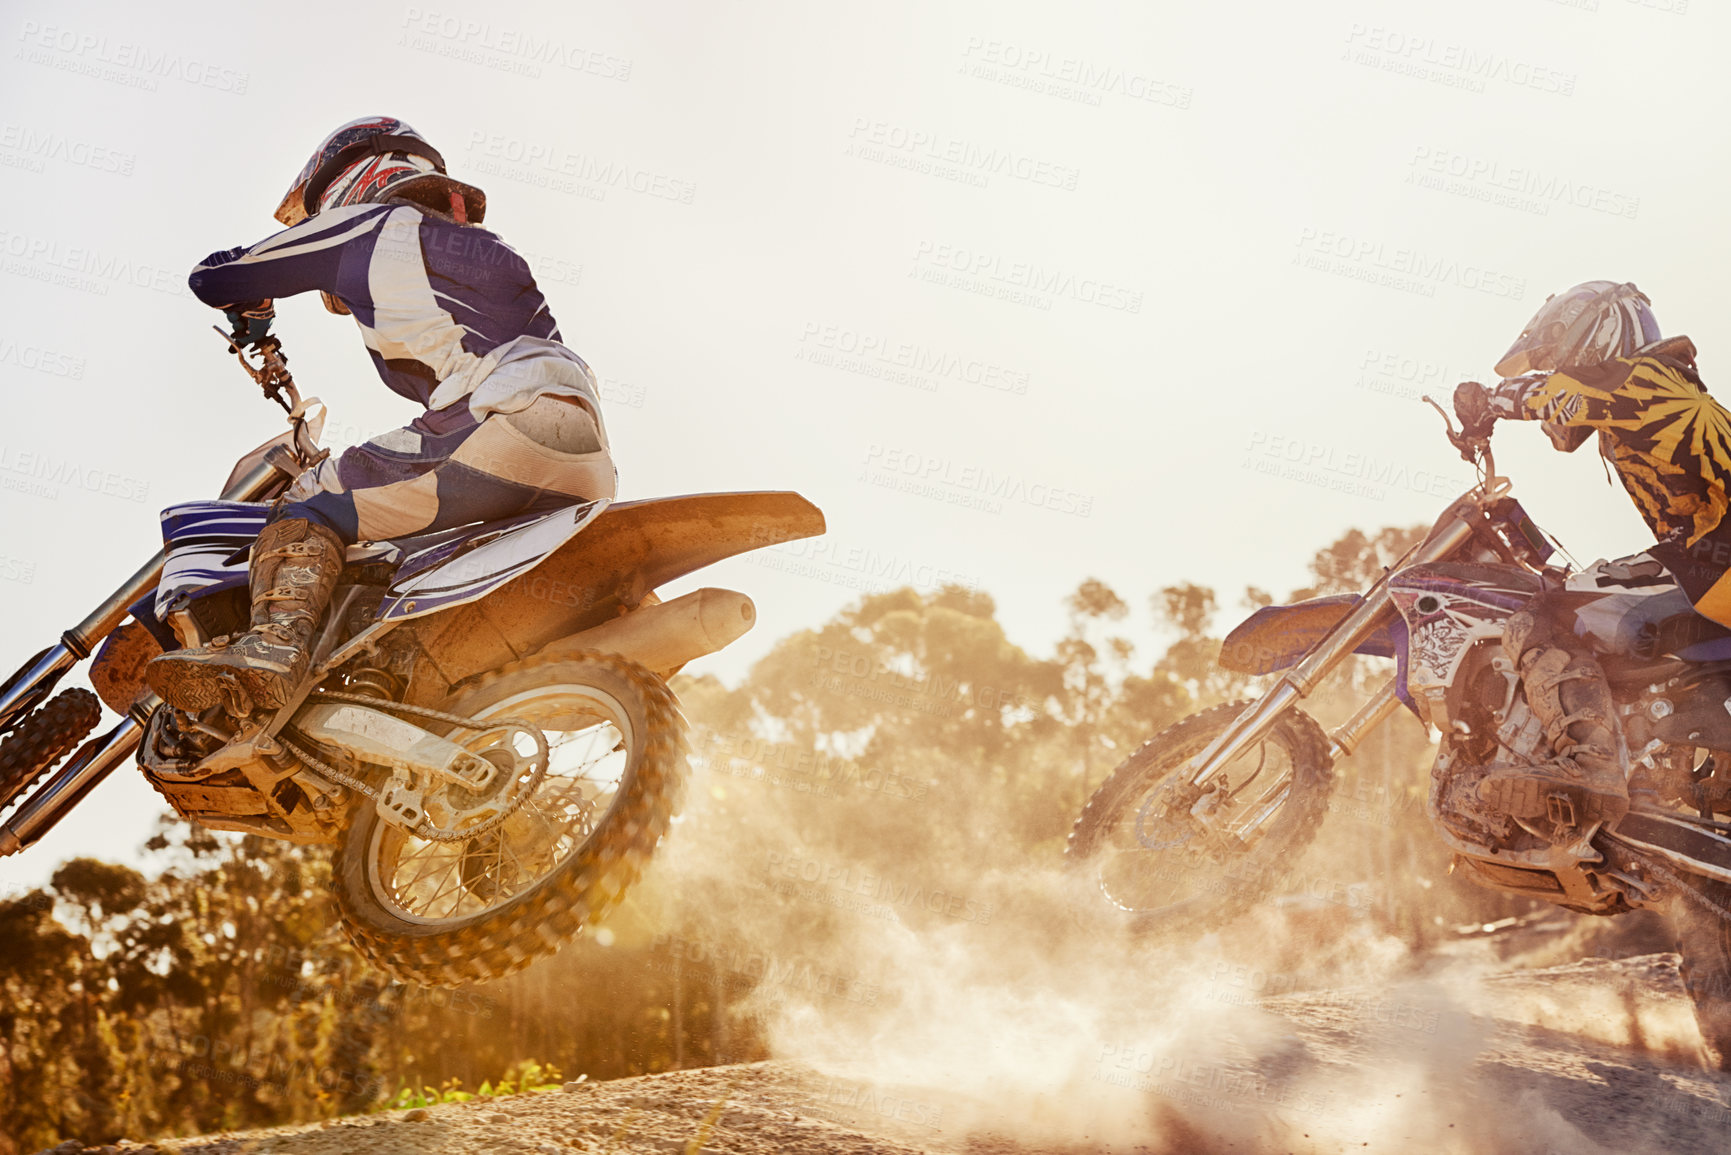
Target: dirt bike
{"points": [[485, 733], [1203, 820]]}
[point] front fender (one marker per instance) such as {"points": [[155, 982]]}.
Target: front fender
{"points": [[1276, 637], [117, 674]]}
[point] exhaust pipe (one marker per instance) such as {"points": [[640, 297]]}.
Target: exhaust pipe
{"points": [[666, 636]]}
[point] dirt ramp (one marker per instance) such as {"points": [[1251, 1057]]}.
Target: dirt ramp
{"points": [[1593, 1058], [758, 1109]]}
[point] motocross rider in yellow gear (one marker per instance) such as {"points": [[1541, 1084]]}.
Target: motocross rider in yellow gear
{"points": [[1592, 360]]}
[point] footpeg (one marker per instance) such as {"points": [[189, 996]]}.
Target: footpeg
{"points": [[401, 804], [1560, 809]]}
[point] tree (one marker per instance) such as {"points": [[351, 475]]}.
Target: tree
{"points": [[896, 768], [1095, 672], [1356, 559]]}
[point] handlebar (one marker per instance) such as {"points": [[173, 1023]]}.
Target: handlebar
{"points": [[1474, 451], [272, 375]]}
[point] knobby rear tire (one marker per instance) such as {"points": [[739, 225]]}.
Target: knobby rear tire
{"points": [[580, 890], [1704, 941], [1289, 832]]}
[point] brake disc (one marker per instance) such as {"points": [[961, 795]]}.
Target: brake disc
{"points": [[1180, 825]]}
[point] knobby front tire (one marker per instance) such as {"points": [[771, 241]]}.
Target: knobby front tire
{"points": [[1150, 862]]}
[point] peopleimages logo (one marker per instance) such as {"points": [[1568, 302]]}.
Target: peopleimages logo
{"points": [[859, 350], [37, 146], [1515, 186], [844, 879], [41, 359], [106, 59], [851, 566], [963, 484], [938, 154], [41, 467], [82, 267], [476, 40], [1408, 378], [1403, 267], [1453, 65], [1352, 472], [16, 570], [1070, 77], [553, 161], [1022, 281]]}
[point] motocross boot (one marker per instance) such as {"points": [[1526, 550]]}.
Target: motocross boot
{"points": [[1583, 783], [294, 567]]}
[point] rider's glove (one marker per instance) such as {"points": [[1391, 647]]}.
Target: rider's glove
{"points": [[250, 322], [1473, 407]]}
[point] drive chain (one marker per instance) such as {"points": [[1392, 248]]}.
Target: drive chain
{"points": [[1667, 875]]}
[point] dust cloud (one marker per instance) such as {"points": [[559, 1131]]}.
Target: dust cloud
{"points": [[970, 997]]}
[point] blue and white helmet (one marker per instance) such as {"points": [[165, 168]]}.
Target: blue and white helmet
{"points": [[370, 159], [1594, 322]]}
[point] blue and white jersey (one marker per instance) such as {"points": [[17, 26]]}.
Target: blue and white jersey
{"points": [[447, 311]]}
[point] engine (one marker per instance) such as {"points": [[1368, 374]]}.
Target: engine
{"points": [[1489, 722], [1677, 735]]}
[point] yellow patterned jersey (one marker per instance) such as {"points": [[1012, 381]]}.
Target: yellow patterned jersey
{"points": [[1669, 441]]}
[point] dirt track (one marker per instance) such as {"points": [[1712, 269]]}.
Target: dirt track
{"points": [[1592, 1057]]}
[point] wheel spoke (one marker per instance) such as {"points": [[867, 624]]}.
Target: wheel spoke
{"points": [[428, 862], [589, 741], [1158, 843], [454, 873]]}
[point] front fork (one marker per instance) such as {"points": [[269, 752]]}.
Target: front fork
{"points": [[97, 758], [1254, 724], [1342, 742]]}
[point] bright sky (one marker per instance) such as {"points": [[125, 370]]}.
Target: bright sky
{"points": [[1018, 293]]}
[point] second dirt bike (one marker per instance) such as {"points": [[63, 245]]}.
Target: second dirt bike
{"points": [[1201, 822], [485, 733]]}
